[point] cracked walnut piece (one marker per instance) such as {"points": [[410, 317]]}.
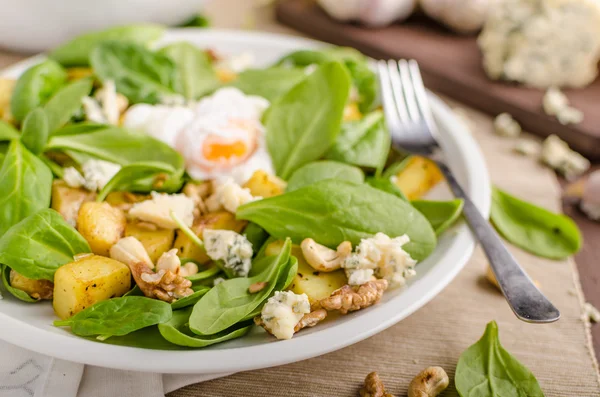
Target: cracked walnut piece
{"points": [[349, 299], [373, 387], [163, 284]]}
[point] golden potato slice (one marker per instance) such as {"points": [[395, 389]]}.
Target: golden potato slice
{"points": [[418, 177], [80, 284], [76, 73], [155, 240], [216, 220], [67, 200], [265, 185], [37, 289], [101, 225]]}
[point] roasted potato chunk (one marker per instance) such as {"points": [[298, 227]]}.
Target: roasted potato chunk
{"points": [[316, 285], [67, 200], [91, 279], [37, 289], [101, 225], [265, 185], [216, 220], [155, 240], [418, 177]]}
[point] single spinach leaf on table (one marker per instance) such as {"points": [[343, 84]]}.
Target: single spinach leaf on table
{"points": [[333, 211], [129, 174], [26, 185], [34, 133], [178, 332], [197, 21], [486, 369], [229, 302], [139, 74], [271, 83], [118, 316], [77, 51], [364, 143], [440, 214], [190, 300], [532, 228], [196, 74], [38, 245], [66, 102], [17, 293], [8, 132], [35, 87], [386, 185], [324, 169], [305, 122]]}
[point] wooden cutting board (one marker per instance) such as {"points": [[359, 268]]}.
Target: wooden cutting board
{"points": [[451, 64]]}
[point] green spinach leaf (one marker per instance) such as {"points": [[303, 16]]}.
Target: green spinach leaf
{"points": [[145, 338], [197, 21], [35, 87], [486, 369], [17, 293], [324, 169], [66, 102], [8, 132], [364, 143], [118, 316], [178, 332], [305, 122], [35, 131], [386, 185], [333, 211], [534, 229], [271, 83], [80, 128], [38, 245], [255, 234], [229, 302], [26, 185], [440, 214], [196, 74], [131, 174], [190, 300], [139, 74], [77, 51]]}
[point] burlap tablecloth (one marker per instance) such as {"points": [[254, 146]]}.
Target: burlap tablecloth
{"points": [[559, 354]]}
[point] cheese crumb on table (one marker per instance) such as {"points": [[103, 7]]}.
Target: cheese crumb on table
{"points": [[557, 155], [528, 147], [591, 313], [590, 201], [505, 125], [158, 210], [283, 311], [230, 247], [556, 103]]}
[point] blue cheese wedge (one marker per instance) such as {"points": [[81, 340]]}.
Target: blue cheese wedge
{"points": [[542, 43], [283, 312], [230, 247]]}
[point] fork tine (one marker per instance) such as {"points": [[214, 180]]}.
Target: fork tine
{"points": [[421, 94], [396, 85], [409, 93], [387, 97]]}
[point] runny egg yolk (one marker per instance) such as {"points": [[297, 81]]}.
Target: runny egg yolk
{"points": [[214, 149]]}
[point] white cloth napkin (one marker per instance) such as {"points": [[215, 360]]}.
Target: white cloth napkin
{"points": [[24, 373]]}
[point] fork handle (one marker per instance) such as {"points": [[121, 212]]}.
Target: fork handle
{"points": [[524, 298]]}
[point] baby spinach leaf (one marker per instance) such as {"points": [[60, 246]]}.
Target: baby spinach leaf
{"points": [[135, 291], [145, 338], [396, 167], [26, 185], [79, 128], [196, 74], [77, 51], [40, 244], [67, 100], [365, 143], [8, 132], [300, 128], [271, 83], [35, 87], [486, 369], [197, 21], [534, 229], [118, 316], [324, 169], [118, 145], [17, 293], [229, 302], [255, 234], [386, 185], [440, 214], [190, 300], [34, 133], [333, 211], [177, 331], [365, 82], [132, 173], [56, 169], [203, 275], [139, 74]]}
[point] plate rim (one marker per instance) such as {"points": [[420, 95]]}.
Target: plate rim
{"points": [[265, 355]]}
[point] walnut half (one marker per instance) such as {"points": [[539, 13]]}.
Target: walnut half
{"points": [[349, 299]]}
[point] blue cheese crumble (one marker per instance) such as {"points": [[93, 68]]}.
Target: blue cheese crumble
{"points": [[283, 312], [230, 247], [95, 174]]}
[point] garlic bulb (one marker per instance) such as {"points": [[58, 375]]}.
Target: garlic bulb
{"points": [[370, 12], [463, 16]]}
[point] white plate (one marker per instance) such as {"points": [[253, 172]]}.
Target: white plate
{"points": [[30, 325]]}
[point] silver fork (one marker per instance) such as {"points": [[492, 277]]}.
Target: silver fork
{"points": [[413, 129]]}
